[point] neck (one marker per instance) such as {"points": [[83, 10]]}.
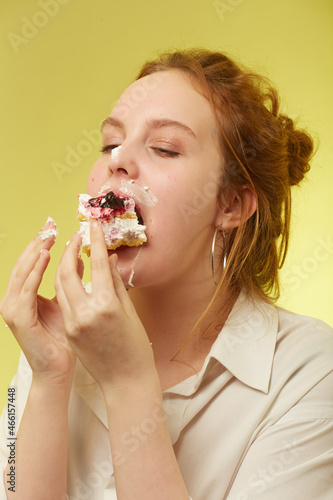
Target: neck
{"points": [[170, 313]]}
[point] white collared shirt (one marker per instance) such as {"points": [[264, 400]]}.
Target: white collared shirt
{"points": [[255, 424]]}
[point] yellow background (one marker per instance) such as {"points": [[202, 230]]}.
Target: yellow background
{"points": [[61, 78]]}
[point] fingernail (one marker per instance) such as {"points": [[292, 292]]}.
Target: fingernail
{"points": [[94, 225]]}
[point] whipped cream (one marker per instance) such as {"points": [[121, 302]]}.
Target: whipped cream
{"points": [[130, 281], [115, 152], [120, 228], [44, 234], [141, 194], [87, 287]]}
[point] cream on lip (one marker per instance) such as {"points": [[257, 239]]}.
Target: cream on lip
{"points": [[142, 195]]}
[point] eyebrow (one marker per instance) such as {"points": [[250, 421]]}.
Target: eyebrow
{"points": [[110, 121], [152, 124]]}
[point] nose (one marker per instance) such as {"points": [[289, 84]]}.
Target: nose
{"points": [[123, 162]]}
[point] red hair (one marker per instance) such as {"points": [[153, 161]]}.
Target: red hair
{"points": [[262, 149]]}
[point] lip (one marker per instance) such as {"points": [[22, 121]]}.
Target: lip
{"points": [[140, 194]]}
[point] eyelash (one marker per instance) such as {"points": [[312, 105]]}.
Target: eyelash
{"points": [[107, 149], [164, 153]]}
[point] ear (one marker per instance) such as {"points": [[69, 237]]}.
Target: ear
{"points": [[230, 213]]}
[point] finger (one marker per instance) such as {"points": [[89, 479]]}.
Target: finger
{"points": [[45, 238], [69, 277], [60, 297], [57, 283], [75, 313], [27, 260], [32, 283], [26, 302], [99, 260]]}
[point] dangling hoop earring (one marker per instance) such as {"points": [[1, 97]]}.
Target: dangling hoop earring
{"points": [[213, 252]]}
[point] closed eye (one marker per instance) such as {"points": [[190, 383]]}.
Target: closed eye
{"points": [[110, 147], [165, 152]]}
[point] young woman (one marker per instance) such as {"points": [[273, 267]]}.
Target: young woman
{"points": [[191, 383]]}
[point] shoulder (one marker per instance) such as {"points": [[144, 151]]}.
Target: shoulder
{"points": [[303, 353], [292, 320], [309, 335]]}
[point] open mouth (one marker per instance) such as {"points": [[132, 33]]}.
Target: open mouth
{"points": [[117, 205], [120, 217]]}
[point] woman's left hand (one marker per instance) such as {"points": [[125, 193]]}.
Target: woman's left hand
{"points": [[103, 327]]}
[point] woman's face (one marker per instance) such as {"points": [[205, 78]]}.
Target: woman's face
{"points": [[169, 143]]}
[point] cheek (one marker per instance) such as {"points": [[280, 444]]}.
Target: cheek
{"points": [[183, 210], [167, 230]]}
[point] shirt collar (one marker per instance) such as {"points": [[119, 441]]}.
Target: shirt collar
{"points": [[245, 347], [246, 344]]}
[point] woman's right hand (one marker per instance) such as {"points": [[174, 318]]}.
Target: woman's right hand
{"points": [[35, 321]]}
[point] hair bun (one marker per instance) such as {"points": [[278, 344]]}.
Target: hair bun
{"points": [[299, 150]]}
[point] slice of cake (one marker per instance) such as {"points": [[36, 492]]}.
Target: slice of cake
{"points": [[121, 221]]}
